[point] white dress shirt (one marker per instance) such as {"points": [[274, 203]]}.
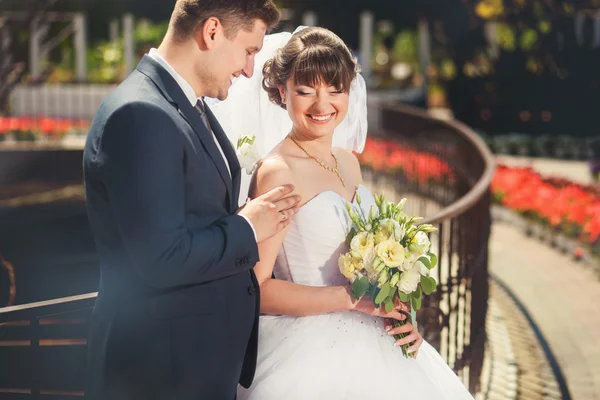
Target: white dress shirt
{"points": [[191, 96]]}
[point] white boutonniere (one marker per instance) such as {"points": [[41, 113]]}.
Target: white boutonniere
{"points": [[247, 153]]}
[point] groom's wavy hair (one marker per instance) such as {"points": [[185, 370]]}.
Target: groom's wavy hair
{"points": [[189, 15], [312, 56]]}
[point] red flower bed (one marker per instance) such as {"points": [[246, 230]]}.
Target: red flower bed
{"points": [[47, 126], [563, 205], [390, 156]]}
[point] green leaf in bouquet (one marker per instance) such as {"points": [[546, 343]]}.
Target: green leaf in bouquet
{"points": [[417, 293], [433, 259], [403, 296], [391, 295], [428, 284], [372, 292], [425, 262], [395, 278], [389, 305], [383, 293], [415, 303], [379, 264], [433, 282], [350, 236], [360, 287]]}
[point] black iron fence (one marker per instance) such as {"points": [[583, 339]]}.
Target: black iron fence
{"points": [[443, 167], [445, 170]]}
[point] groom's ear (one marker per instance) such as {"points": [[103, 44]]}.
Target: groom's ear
{"points": [[207, 35]]}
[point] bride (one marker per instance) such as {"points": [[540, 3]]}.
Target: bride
{"points": [[315, 341]]}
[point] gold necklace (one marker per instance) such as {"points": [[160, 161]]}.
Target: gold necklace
{"points": [[335, 170]]}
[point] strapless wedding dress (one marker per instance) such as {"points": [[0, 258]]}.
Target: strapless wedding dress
{"points": [[343, 355]]}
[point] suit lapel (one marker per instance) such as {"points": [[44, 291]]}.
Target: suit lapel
{"points": [[192, 116], [230, 154], [173, 93]]}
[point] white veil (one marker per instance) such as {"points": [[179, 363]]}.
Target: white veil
{"points": [[247, 111]]}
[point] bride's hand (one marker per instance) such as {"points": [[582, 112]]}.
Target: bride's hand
{"points": [[413, 335], [365, 305]]}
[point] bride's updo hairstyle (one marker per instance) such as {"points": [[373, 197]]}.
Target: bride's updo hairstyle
{"points": [[312, 56]]}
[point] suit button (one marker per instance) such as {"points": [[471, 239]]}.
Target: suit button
{"points": [[246, 260], [238, 262], [251, 290]]}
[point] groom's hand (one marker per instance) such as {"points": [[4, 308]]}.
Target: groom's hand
{"points": [[271, 212]]}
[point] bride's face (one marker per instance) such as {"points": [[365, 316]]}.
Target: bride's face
{"points": [[315, 110]]}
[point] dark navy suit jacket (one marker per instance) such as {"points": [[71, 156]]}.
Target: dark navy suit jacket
{"points": [[177, 311]]}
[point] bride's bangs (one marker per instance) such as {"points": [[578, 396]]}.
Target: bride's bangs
{"points": [[322, 65]]}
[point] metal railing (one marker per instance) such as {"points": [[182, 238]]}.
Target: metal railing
{"points": [[42, 348], [445, 169], [459, 169]]}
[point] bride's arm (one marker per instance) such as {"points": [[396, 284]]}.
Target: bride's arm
{"points": [[280, 297]]}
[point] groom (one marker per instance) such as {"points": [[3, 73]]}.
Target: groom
{"points": [[177, 311]]}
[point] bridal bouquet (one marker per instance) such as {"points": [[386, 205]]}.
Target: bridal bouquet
{"points": [[389, 257]]}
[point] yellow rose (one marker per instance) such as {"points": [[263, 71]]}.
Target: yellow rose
{"points": [[362, 243], [349, 265], [345, 265], [391, 252]]}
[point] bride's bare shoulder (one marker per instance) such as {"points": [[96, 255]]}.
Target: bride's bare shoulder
{"points": [[272, 171]]}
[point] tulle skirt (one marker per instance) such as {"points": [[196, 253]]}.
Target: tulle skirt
{"points": [[345, 355]]}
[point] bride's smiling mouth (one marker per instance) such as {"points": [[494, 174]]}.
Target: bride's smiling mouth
{"points": [[321, 118]]}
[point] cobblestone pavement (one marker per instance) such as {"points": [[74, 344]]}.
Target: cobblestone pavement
{"points": [[561, 296], [516, 366]]}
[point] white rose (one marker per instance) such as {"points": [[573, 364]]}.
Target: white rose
{"points": [[409, 281], [420, 243], [409, 260], [248, 157]]}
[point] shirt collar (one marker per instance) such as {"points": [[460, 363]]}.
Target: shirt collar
{"points": [[183, 84]]}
